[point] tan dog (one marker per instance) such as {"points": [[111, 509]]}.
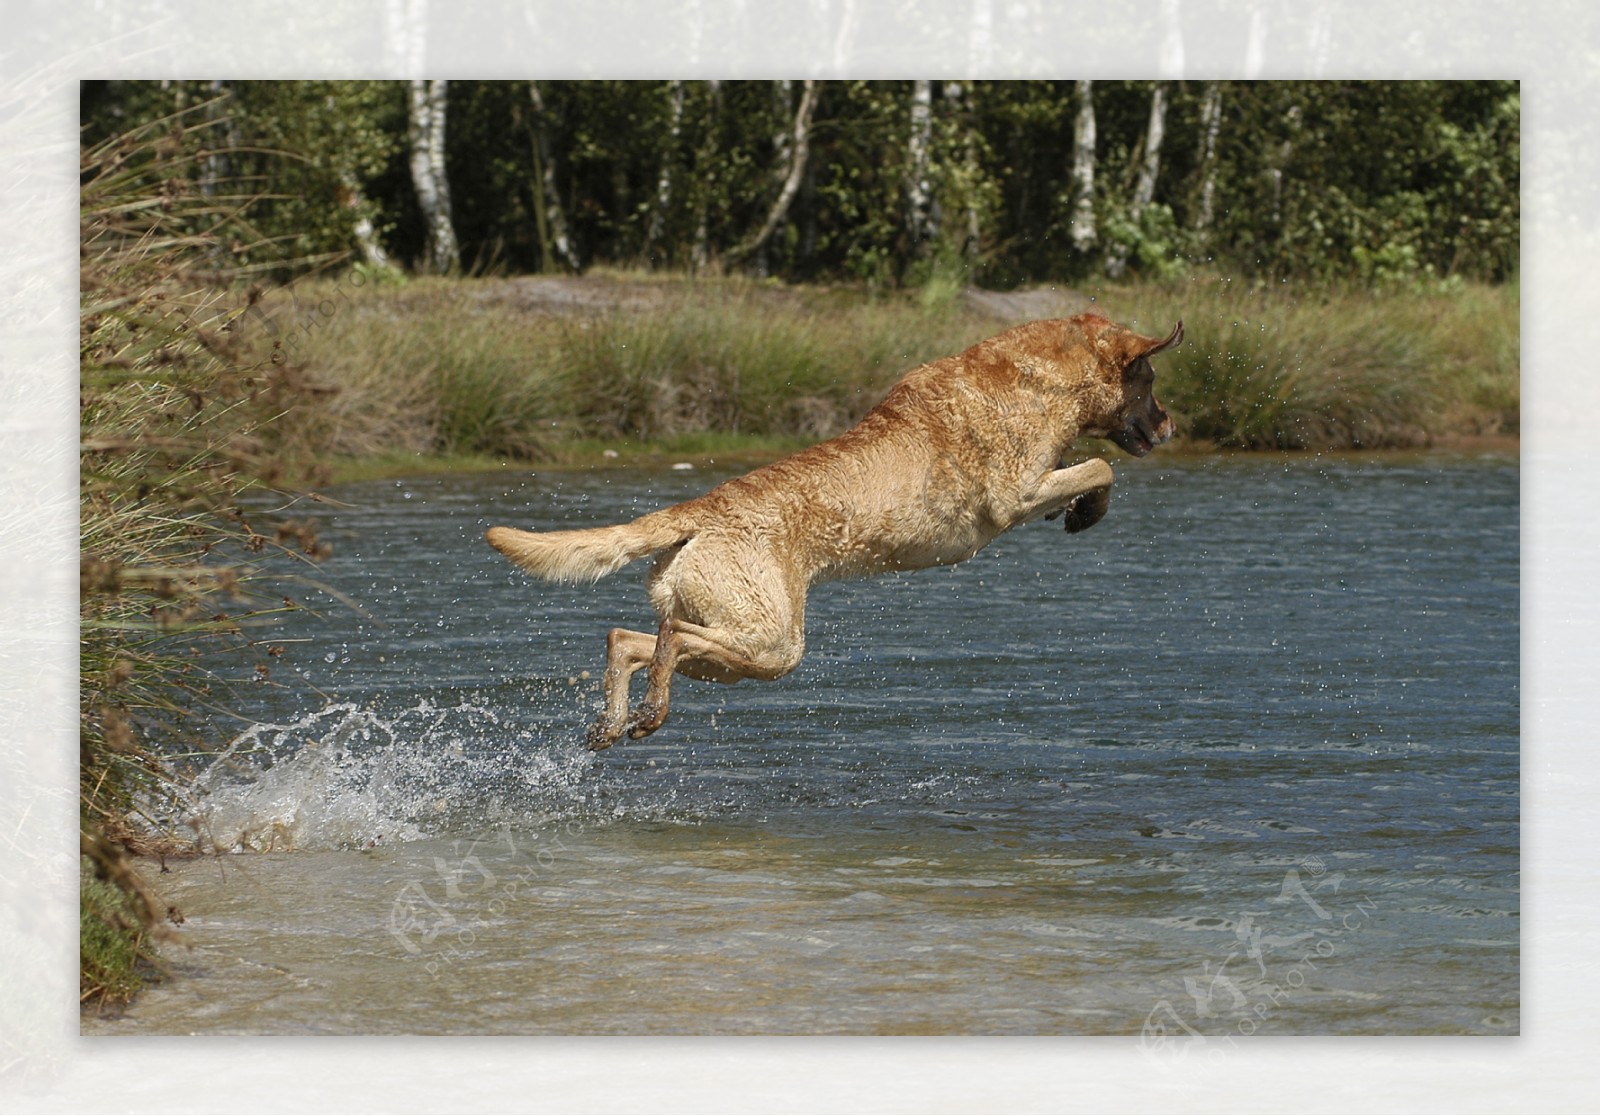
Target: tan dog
{"points": [[961, 451]]}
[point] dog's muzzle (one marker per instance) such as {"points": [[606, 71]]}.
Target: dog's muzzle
{"points": [[1138, 437]]}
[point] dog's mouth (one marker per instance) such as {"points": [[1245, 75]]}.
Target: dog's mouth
{"points": [[1132, 442], [1137, 437]]}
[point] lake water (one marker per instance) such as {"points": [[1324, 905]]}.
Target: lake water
{"points": [[1241, 760]]}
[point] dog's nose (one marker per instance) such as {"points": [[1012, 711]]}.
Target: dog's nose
{"points": [[1165, 428]]}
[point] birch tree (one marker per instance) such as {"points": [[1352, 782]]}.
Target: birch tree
{"points": [[658, 215], [796, 145], [1210, 128], [1144, 189], [554, 241], [427, 131], [921, 220], [782, 151], [1329, 180], [955, 92], [1171, 58], [1082, 220]]}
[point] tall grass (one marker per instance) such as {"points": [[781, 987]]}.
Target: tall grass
{"points": [[1335, 368], [437, 367], [440, 367], [177, 422], [736, 362]]}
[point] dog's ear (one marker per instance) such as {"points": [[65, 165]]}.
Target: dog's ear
{"points": [[1173, 340], [1149, 346], [1121, 346]]}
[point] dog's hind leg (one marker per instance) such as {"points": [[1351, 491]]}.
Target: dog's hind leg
{"points": [[703, 653], [626, 652]]}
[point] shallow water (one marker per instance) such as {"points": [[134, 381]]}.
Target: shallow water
{"points": [[1242, 759]]}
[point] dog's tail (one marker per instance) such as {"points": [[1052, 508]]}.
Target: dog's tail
{"points": [[590, 554]]}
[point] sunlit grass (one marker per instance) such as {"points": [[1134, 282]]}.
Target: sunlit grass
{"points": [[446, 368], [433, 368], [1335, 369]]}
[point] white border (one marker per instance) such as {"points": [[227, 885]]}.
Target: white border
{"points": [[1549, 44]]}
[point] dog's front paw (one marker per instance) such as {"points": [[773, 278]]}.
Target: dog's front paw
{"points": [[1086, 510]]}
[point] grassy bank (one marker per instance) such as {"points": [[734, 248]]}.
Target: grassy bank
{"points": [[178, 419], [425, 372], [116, 955], [1339, 369]]}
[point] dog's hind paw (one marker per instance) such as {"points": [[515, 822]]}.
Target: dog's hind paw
{"points": [[646, 719]]}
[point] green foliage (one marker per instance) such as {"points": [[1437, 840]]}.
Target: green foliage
{"points": [[1152, 239], [298, 154], [1373, 182], [859, 190]]}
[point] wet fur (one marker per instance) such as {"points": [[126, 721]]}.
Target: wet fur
{"points": [[960, 451]]}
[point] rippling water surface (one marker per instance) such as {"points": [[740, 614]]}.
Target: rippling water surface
{"points": [[1242, 759]]}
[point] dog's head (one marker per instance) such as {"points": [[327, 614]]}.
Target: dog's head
{"points": [[1129, 413]]}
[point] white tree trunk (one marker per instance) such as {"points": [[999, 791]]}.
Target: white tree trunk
{"points": [[1210, 127], [920, 220], [782, 146], [405, 36], [1144, 188], [428, 172], [658, 216], [553, 236], [797, 146], [1255, 44], [954, 93], [1082, 221], [844, 41], [782, 97]]}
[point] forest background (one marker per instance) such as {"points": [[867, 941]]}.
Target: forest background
{"points": [[1366, 182]]}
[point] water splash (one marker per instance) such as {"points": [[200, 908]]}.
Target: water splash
{"points": [[350, 777]]}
